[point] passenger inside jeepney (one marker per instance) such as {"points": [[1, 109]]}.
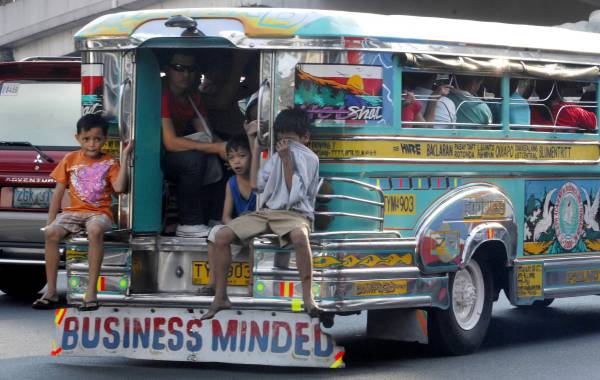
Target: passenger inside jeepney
{"points": [[519, 113], [199, 112], [470, 109], [432, 97], [560, 113], [230, 77], [192, 152]]}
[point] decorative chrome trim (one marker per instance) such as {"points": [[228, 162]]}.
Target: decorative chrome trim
{"points": [[571, 263], [23, 250], [82, 268], [389, 245], [22, 262], [349, 273], [173, 300], [371, 45], [579, 290], [334, 233], [501, 234], [360, 216], [556, 258], [348, 214], [346, 197], [356, 182], [507, 230]]}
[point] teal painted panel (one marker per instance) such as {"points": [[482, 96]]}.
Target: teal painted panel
{"points": [[178, 42], [148, 177]]}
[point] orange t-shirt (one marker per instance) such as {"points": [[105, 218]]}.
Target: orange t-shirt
{"points": [[89, 181]]}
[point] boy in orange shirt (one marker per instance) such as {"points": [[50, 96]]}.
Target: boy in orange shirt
{"points": [[92, 176]]}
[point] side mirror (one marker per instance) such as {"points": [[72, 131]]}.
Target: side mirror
{"points": [[190, 25]]}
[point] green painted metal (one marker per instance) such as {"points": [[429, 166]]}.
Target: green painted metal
{"points": [[505, 93], [187, 43], [397, 92], [148, 176]]}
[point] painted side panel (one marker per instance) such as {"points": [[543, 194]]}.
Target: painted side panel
{"points": [[148, 174]]}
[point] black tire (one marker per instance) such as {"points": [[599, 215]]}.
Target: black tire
{"points": [[537, 305], [22, 280], [446, 335]]}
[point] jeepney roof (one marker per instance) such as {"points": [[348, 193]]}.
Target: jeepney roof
{"points": [[272, 23]]}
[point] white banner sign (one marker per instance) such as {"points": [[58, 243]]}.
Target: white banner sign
{"points": [[246, 337]]}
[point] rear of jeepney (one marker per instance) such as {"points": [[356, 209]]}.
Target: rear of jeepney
{"points": [[149, 279]]}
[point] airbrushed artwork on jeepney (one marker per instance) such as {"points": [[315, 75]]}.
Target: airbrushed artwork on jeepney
{"points": [[456, 219], [561, 217], [92, 87], [345, 94]]}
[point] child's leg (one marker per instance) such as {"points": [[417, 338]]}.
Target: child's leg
{"points": [[221, 259], [211, 260], [53, 236], [96, 226], [299, 239], [95, 236]]}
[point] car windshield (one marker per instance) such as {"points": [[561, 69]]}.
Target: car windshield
{"points": [[42, 113]]}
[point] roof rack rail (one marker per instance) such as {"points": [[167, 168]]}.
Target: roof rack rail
{"points": [[42, 58]]}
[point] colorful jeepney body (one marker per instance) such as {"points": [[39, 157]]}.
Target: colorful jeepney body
{"points": [[415, 225]]}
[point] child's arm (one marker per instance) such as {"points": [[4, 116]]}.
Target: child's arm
{"points": [[228, 205], [283, 149], [252, 133], [120, 184], [55, 202], [254, 164]]}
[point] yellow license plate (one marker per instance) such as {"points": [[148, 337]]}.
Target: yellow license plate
{"points": [[381, 288], [239, 273]]}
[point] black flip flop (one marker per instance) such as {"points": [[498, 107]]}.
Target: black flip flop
{"points": [[89, 306], [46, 304]]}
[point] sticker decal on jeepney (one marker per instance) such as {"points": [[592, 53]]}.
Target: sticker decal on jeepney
{"points": [[561, 217], [246, 337], [451, 151], [441, 246], [529, 280], [380, 288]]}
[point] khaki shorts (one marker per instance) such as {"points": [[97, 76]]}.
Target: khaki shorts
{"points": [[279, 222], [74, 222]]}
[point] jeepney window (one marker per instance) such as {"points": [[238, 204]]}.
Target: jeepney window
{"points": [[559, 106], [450, 101], [42, 113]]}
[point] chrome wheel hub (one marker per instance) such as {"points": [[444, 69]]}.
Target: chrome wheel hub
{"points": [[468, 295]]}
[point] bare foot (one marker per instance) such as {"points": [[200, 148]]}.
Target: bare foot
{"points": [[215, 308], [312, 309]]}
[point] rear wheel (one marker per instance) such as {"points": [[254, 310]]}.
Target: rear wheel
{"points": [[461, 328], [22, 280]]}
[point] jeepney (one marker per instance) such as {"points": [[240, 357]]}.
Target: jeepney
{"points": [[419, 226]]}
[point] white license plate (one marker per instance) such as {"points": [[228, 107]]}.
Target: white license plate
{"points": [[31, 197]]}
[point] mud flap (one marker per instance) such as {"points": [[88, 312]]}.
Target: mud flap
{"points": [[406, 325], [244, 337]]}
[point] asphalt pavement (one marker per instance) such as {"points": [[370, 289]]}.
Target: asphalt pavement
{"points": [[560, 342]]}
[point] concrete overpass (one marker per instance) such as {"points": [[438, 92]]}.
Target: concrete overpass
{"points": [[45, 27]]}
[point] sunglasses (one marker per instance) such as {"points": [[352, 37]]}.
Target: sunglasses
{"points": [[181, 68]]}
